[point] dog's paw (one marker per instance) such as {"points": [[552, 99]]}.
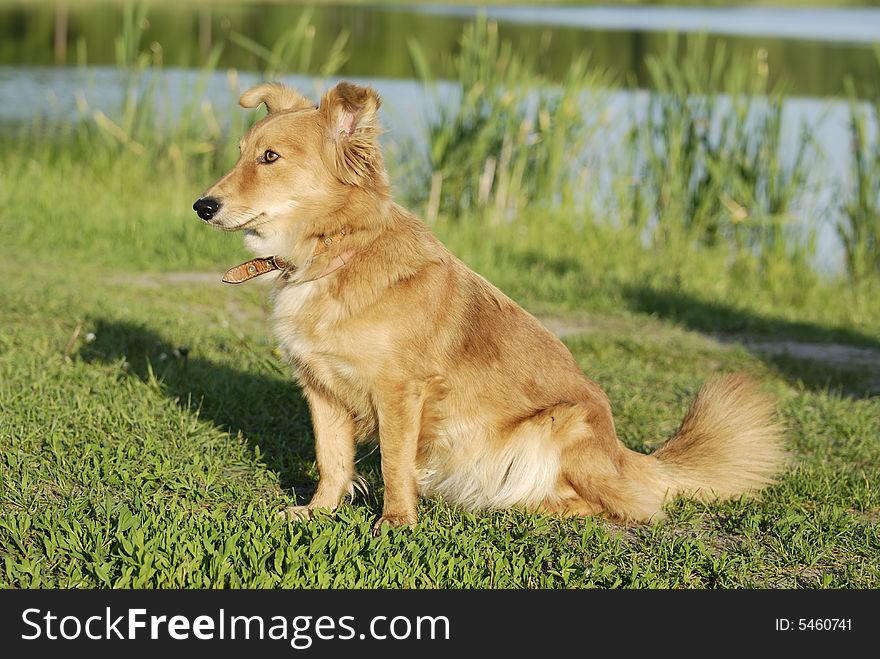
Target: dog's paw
{"points": [[394, 521], [296, 514]]}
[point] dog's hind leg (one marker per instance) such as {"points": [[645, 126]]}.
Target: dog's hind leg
{"points": [[334, 454], [599, 475], [727, 445]]}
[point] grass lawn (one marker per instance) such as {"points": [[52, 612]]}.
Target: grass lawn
{"points": [[149, 431]]}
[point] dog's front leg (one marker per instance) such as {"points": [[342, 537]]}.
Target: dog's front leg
{"points": [[334, 454], [400, 415]]}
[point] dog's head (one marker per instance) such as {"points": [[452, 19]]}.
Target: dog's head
{"points": [[300, 161]]}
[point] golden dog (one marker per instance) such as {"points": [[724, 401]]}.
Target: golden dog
{"points": [[390, 334]]}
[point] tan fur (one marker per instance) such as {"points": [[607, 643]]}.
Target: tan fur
{"points": [[469, 395]]}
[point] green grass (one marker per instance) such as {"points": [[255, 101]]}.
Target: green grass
{"points": [[153, 446]]}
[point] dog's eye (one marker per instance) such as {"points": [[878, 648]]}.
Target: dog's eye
{"points": [[270, 156]]}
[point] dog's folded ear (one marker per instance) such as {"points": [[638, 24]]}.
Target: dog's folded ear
{"points": [[276, 96], [351, 115]]}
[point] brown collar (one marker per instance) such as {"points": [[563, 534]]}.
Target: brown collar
{"points": [[260, 266]]}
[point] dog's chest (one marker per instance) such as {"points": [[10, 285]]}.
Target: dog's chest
{"points": [[306, 325], [295, 319]]}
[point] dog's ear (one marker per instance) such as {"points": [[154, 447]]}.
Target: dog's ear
{"points": [[276, 96], [351, 114]]}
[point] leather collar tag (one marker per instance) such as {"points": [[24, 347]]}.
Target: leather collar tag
{"points": [[253, 268]]}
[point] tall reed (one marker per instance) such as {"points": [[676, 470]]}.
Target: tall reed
{"points": [[148, 122], [294, 49], [710, 166], [859, 224], [511, 139], [152, 122]]}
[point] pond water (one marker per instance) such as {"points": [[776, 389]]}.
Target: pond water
{"points": [[847, 25], [813, 49]]}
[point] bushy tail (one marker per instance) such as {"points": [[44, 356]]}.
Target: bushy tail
{"points": [[728, 444]]}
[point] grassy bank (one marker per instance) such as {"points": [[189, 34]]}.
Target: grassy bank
{"points": [[149, 430], [152, 447]]}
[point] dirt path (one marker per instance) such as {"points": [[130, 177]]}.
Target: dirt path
{"points": [[836, 355], [833, 354]]}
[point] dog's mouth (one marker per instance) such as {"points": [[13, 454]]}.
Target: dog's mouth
{"points": [[248, 226], [252, 224]]}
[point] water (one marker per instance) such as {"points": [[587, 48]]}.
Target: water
{"points": [[846, 25], [814, 49]]}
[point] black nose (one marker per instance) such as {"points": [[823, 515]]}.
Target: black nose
{"points": [[206, 207]]}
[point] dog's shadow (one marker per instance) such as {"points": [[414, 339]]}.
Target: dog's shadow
{"points": [[267, 409]]}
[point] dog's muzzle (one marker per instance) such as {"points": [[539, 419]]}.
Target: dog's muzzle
{"points": [[206, 208]]}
